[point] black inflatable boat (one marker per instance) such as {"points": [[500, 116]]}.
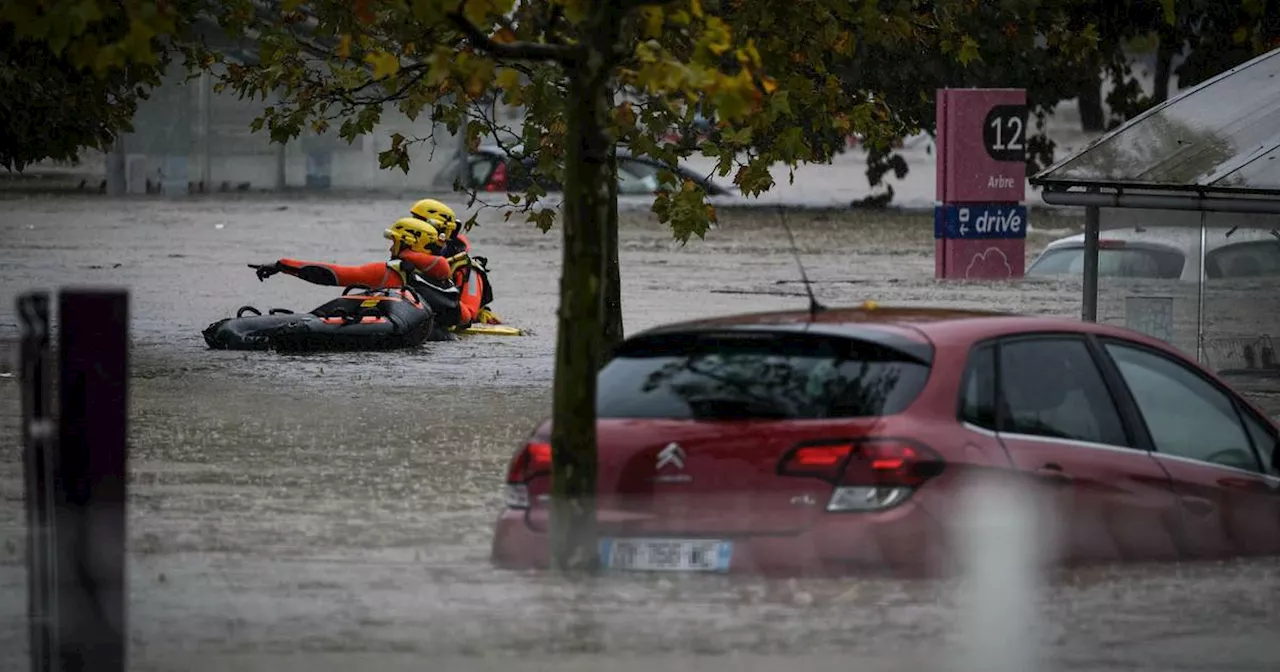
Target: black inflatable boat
{"points": [[360, 319]]}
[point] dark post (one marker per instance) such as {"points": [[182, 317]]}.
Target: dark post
{"points": [[37, 441], [1092, 224], [94, 369]]}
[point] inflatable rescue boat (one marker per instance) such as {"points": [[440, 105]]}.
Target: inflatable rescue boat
{"points": [[360, 319]]}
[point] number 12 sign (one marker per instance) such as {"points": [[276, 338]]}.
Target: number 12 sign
{"points": [[982, 145]]}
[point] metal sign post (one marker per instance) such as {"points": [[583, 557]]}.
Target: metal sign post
{"points": [[93, 393], [38, 451]]}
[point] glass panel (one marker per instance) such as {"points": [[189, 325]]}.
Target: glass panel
{"points": [[765, 377], [1196, 136]]}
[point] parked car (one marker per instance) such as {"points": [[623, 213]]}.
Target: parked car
{"points": [[489, 168], [767, 443], [1167, 253]]}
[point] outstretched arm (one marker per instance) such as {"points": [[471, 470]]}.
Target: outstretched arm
{"points": [[375, 274]]}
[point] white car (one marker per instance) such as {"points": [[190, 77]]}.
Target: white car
{"points": [[1167, 253]]}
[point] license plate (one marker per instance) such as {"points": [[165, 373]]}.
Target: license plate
{"points": [[666, 555]]}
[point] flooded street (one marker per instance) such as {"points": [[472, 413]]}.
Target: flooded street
{"points": [[334, 512]]}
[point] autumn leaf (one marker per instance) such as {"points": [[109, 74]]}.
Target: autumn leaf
{"points": [[625, 116], [384, 64], [344, 47]]}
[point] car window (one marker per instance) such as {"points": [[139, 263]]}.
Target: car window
{"points": [[1114, 262], [761, 377], [1186, 415], [638, 168], [1264, 442], [633, 181], [978, 391], [1052, 387], [480, 169], [1244, 260]]}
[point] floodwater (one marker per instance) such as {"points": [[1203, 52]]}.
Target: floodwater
{"points": [[334, 512]]}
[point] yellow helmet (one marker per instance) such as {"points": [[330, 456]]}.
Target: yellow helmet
{"points": [[412, 234], [437, 213]]}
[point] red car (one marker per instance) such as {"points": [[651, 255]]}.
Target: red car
{"points": [[770, 444]]}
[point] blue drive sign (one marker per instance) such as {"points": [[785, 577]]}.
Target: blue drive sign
{"points": [[979, 221]]}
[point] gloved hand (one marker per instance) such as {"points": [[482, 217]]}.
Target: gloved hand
{"points": [[265, 271]]}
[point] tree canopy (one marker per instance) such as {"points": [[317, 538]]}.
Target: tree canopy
{"points": [[73, 71]]}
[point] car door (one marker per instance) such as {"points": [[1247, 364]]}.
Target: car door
{"points": [[1200, 433], [1060, 423]]}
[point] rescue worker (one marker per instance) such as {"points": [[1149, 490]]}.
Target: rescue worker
{"points": [[415, 261], [470, 274]]}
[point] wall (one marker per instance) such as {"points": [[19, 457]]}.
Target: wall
{"points": [[168, 147]]}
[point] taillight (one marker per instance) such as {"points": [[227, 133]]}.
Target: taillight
{"points": [[869, 474], [532, 461], [498, 180]]}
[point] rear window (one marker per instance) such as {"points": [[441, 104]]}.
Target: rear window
{"points": [[757, 377], [1244, 260], [1130, 262]]}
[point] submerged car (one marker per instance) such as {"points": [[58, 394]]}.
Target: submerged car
{"points": [[781, 443], [490, 168], [1167, 253]]}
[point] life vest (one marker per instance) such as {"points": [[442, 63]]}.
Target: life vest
{"points": [[444, 301], [477, 265]]}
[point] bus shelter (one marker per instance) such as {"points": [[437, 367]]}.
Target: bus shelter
{"points": [[1182, 220]]}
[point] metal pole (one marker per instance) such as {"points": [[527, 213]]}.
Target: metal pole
{"points": [[1089, 301], [37, 434], [93, 392], [206, 173], [1204, 241]]}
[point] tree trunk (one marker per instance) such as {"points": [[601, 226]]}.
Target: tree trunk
{"points": [[1092, 116], [587, 208], [612, 296], [1164, 66]]}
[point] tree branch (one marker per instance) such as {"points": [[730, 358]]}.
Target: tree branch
{"points": [[516, 51], [630, 5]]}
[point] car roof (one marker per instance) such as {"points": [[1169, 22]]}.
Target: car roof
{"points": [[1185, 239], [922, 324]]}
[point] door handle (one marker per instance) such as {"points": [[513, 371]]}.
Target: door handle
{"points": [[1198, 505], [1053, 472]]}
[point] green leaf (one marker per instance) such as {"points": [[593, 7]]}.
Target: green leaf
{"points": [[543, 218], [968, 51], [780, 104]]}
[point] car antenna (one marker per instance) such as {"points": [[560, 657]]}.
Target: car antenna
{"points": [[814, 306]]}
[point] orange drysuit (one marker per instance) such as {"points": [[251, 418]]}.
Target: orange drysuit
{"points": [[376, 274]]}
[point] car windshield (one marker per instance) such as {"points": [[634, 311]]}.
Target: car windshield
{"points": [[1128, 262], [738, 377]]}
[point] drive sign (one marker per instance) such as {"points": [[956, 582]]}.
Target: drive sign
{"points": [[980, 221]]}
